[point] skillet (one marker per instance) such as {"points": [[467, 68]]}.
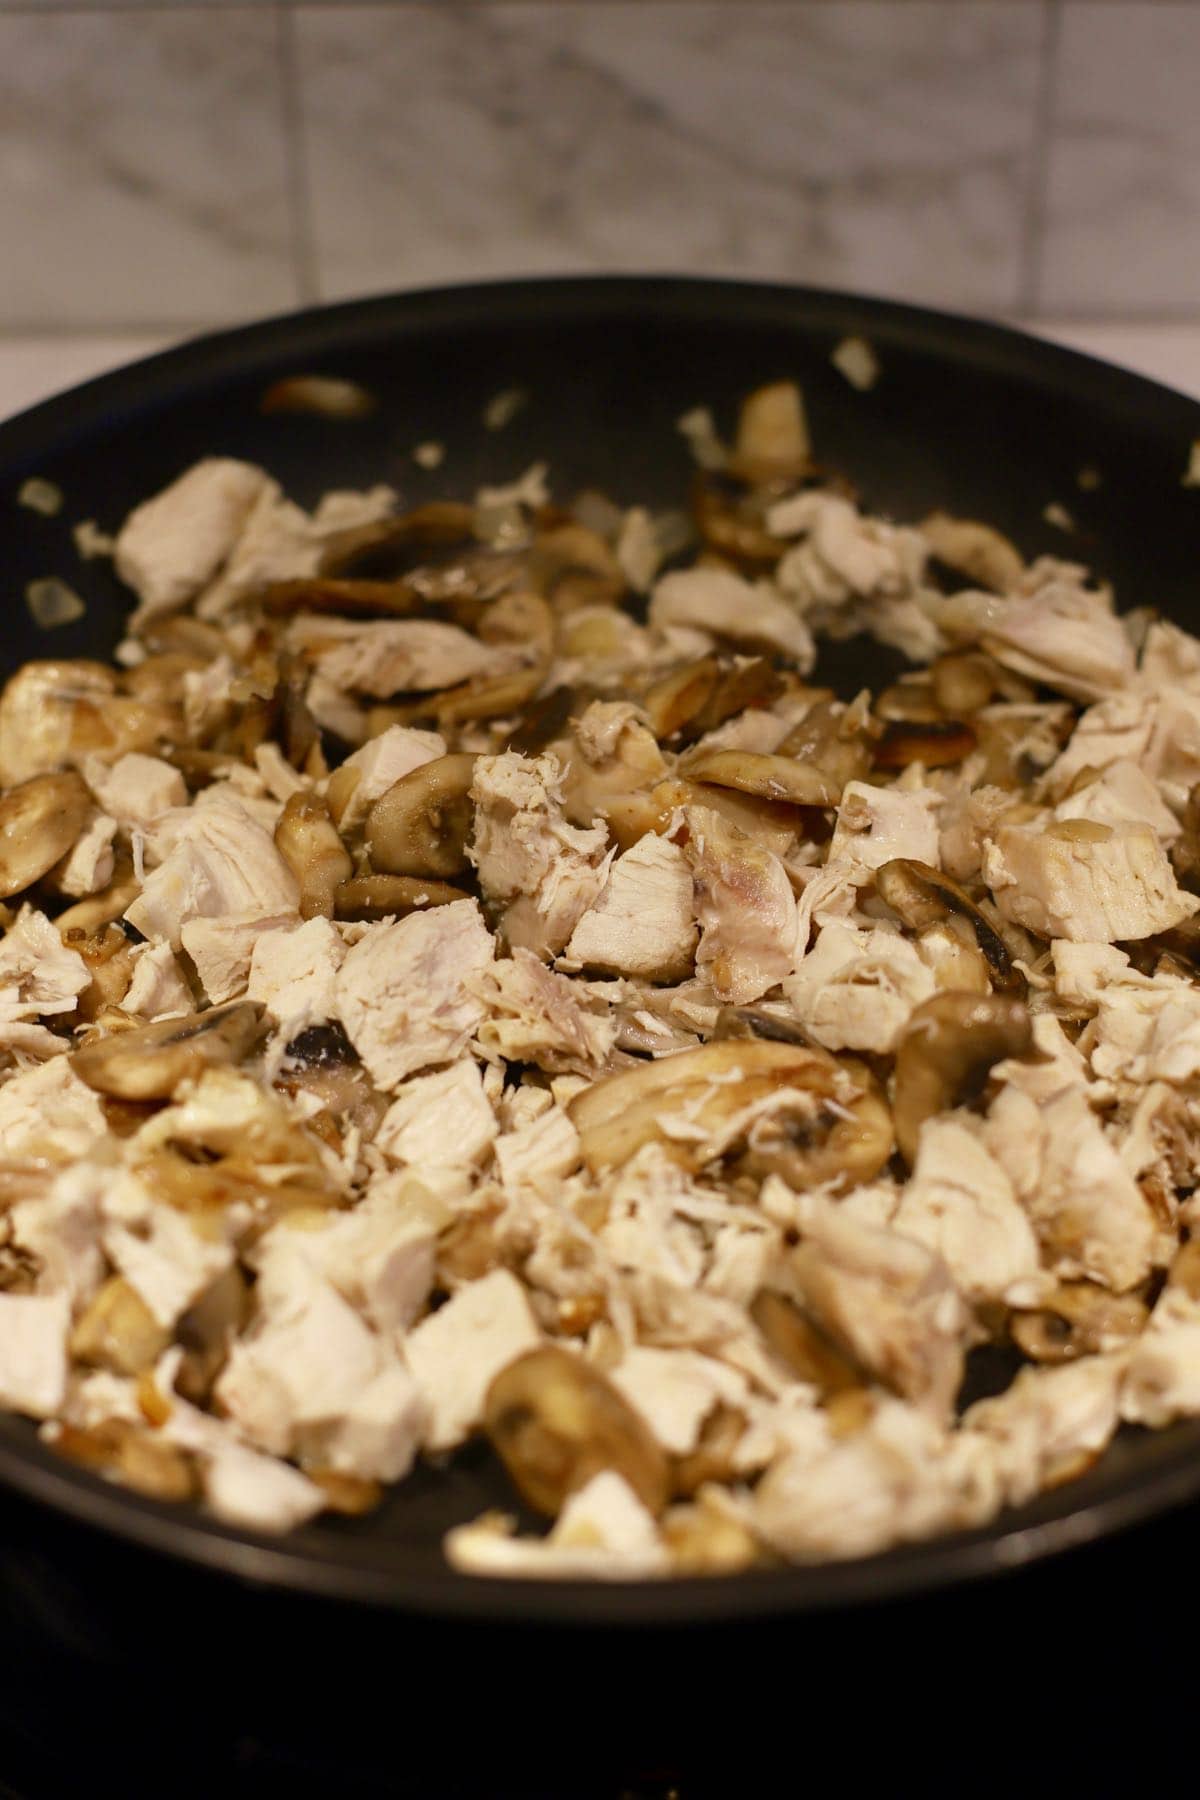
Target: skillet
{"points": [[973, 417]]}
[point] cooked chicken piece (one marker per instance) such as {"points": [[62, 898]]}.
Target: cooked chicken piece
{"points": [[645, 1227], [223, 863], [137, 790], [1123, 794], [172, 545], [1162, 1376], [642, 923], [603, 1533], [221, 950], [281, 542], [875, 825], [1172, 757], [527, 854], [676, 1390], [844, 553], [456, 1353], [1055, 1066], [257, 1493], [60, 1227], [740, 611], [159, 1250], [368, 774], [439, 1120], [889, 1300], [896, 1479], [89, 865], [405, 991], [379, 1256], [1091, 883], [960, 1202], [615, 757], [33, 1352], [1051, 1424], [40, 977], [394, 656], [48, 1114], [743, 900], [1116, 730], [967, 819], [1062, 633], [540, 1154], [1083, 972], [1090, 1215], [537, 1017], [293, 972], [855, 989], [157, 989]]}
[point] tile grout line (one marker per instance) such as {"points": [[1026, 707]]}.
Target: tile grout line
{"points": [[1033, 234], [295, 149]]}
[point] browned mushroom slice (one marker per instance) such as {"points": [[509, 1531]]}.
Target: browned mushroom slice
{"points": [[1078, 1320], [573, 567], [160, 679], [802, 1347], [910, 702], [545, 719], [149, 1061], [391, 896], [830, 739], [713, 1457], [674, 699], [979, 552], [117, 1330], [923, 896], [556, 1421], [326, 396], [138, 1458], [936, 743], [307, 839], [347, 598], [779, 778], [39, 822], [206, 1331], [948, 1050], [441, 525], [731, 521], [964, 681], [488, 696], [772, 441], [98, 910], [422, 823]]}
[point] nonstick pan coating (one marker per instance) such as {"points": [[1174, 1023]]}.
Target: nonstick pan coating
{"points": [[972, 417]]}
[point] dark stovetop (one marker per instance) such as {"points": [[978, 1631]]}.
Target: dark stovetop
{"points": [[122, 1674]]}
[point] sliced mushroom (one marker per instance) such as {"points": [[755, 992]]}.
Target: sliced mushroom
{"points": [[779, 778], [556, 1421], [702, 695], [965, 680], [923, 896], [98, 910], [708, 1540], [731, 519], [803, 1347], [307, 839], [160, 679], [674, 700], [149, 1061], [391, 896], [39, 822], [573, 567], [772, 442], [947, 1052], [206, 1331], [139, 1459], [109, 958], [440, 525], [488, 696], [829, 738], [937, 744], [421, 825], [1078, 1320], [980, 552], [347, 599], [713, 1457], [118, 1331]]}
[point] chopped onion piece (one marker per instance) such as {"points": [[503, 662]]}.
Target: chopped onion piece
{"points": [[703, 440], [40, 496], [1191, 475], [51, 602], [327, 395], [855, 359], [430, 455], [503, 408], [91, 542]]}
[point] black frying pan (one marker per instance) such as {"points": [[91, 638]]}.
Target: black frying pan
{"points": [[977, 419]]}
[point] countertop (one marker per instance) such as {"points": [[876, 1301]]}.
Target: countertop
{"points": [[33, 368]]}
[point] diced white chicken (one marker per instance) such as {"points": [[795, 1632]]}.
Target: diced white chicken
{"points": [[136, 790], [280, 541], [1162, 1377], [1063, 634], [392, 656], [538, 1017], [222, 863], [33, 1352], [643, 1228], [844, 553], [676, 1390], [1122, 795], [457, 1352], [171, 545], [276, 773], [638, 550], [641, 924], [888, 1298], [61, 1228], [1147, 1034], [380, 764], [293, 972], [539, 1154], [875, 825], [258, 1493], [526, 852], [1052, 1423], [379, 1256], [743, 900], [1090, 1215], [88, 866], [221, 950], [856, 989], [1115, 730], [742, 612], [603, 1533], [1091, 883], [960, 1202], [405, 992], [39, 977], [440, 1120], [1057, 1066], [157, 989], [1173, 754], [968, 817], [48, 1114], [155, 1246], [896, 1479], [335, 711]]}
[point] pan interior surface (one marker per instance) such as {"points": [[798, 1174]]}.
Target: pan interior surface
{"points": [[973, 418]]}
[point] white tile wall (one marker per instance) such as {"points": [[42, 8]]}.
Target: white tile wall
{"points": [[170, 165]]}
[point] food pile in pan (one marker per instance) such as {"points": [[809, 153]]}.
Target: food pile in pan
{"points": [[462, 976]]}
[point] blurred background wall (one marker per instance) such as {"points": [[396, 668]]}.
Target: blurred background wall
{"points": [[165, 168]]}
